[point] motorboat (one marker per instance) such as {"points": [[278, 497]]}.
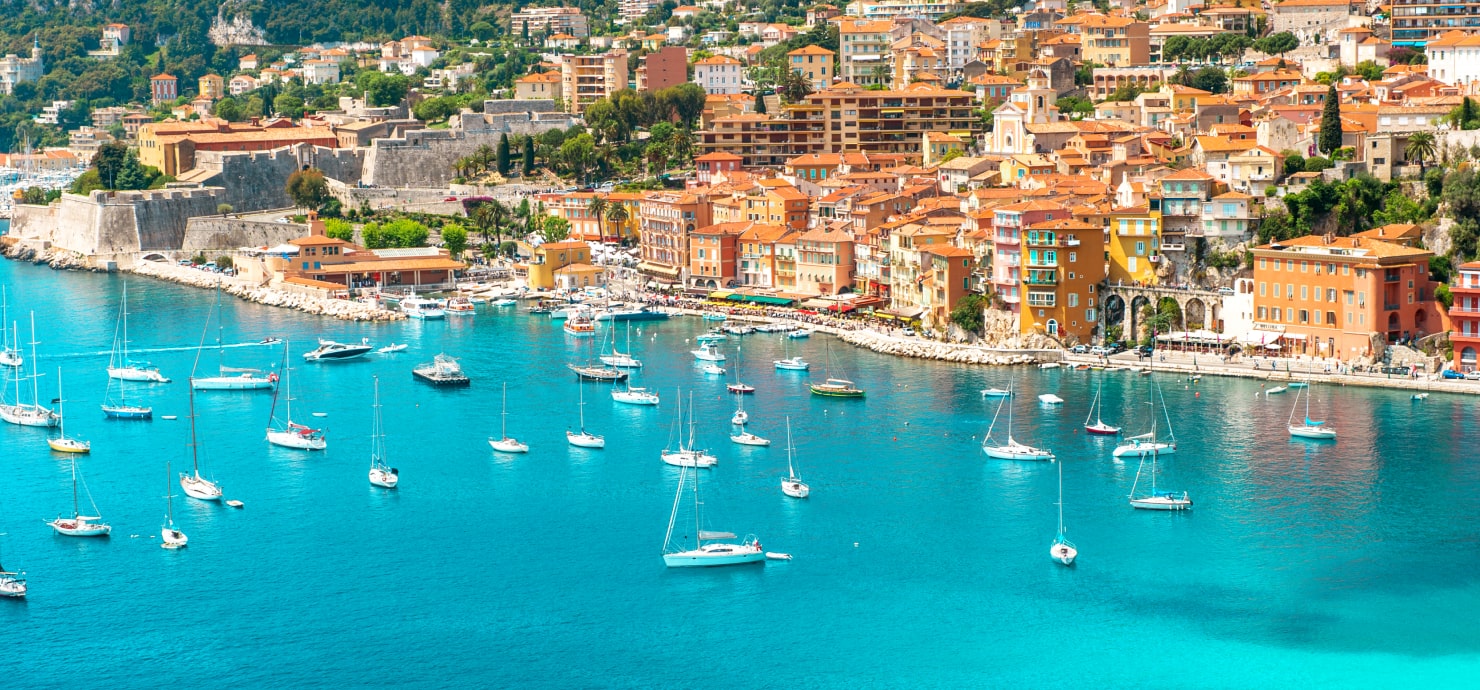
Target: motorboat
{"points": [[799, 333], [836, 388], [740, 388], [631, 314], [330, 351], [739, 330], [708, 352], [793, 364], [996, 392], [713, 369], [745, 438], [1048, 365], [461, 306], [1050, 399], [423, 308], [392, 348], [1420, 396], [504, 302], [580, 326], [1276, 390], [715, 317], [711, 337], [443, 370]]}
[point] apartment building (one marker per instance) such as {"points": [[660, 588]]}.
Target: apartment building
{"points": [[889, 9], [844, 118], [864, 51], [666, 219], [1329, 296], [541, 86], [1115, 41], [586, 79], [719, 74], [1135, 245], [758, 256], [550, 20], [1182, 196], [1465, 317], [814, 63], [824, 260], [1008, 224], [1321, 15], [713, 255], [1063, 265]]}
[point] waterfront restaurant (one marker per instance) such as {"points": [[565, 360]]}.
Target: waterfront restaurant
{"points": [[322, 264]]}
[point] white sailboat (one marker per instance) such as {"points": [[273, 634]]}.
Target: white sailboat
{"points": [[1011, 450], [1062, 550], [80, 525], [1157, 499], [32, 413], [12, 585], [503, 443], [710, 549], [633, 395], [741, 417], [584, 439], [381, 475], [619, 359], [119, 365], [1150, 443], [61, 443], [194, 484], [287, 433], [10, 346], [687, 455], [227, 378], [1098, 427], [1311, 429], [790, 362], [792, 485], [170, 536]]}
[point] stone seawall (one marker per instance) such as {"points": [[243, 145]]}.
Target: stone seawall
{"points": [[225, 234]]}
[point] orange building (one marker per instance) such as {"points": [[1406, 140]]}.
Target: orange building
{"points": [[323, 263], [1329, 296], [824, 260], [1465, 313], [946, 282], [1063, 262], [712, 254], [665, 221]]}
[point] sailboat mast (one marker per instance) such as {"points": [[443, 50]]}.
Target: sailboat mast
{"points": [[503, 425], [124, 344], [581, 406], [35, 392], [75, 511], [790, 469], [691, 437], [62, 406], [1061, 498], [17, 328], [194, 445]]}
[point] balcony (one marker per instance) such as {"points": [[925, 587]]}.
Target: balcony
{"points": [[1391, 307], [1169, 247], [1044, 280]]}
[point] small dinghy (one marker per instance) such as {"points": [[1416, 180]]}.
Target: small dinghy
{"points": [[235, 504], [393, 347], [1276, 389], [1420, 396], [170, 417], [1050, 399], [713, 369], [778, 556], [321, 414]]}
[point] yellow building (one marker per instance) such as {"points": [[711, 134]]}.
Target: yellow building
{"points": [[538, 87], [557, 263], [1022, 166], [212, 86], [1135, 244], [1183, 98]]}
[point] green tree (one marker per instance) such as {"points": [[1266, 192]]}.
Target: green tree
{"points": [[482, 31], [224, 209], [1371, 71], [503, 155], [1398, 207], [1330, 137], [374, 237], [1210, 79], [528, 156], [1464, 116], [554, 228], [969, 313], [596, 208], [1421, 147], [339, 229], [455, 238], [617, 215], [230, 109], [288, 105], [656, 154], [308, 189], [1280, 43]]}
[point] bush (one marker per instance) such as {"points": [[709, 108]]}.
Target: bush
{"points": [[224, 262], [968, 313]]}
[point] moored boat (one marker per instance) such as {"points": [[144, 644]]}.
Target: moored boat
{"points": [[330, 351]]}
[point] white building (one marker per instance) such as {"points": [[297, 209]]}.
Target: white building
{"points": [[889, 9], [1033, 105], [719, 75], [320, 72], [15, 69]]}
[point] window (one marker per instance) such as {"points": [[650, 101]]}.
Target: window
{"points": [[1303, 266], [1304, 292], [1263, 313], [1262, 263], [1330, 294], [1304, 316], [1140, 249], [1289, 291], [1275, 313], [1261, 289], [1290, 265], [1073, 299], [1073, 257], [1346, 269]]}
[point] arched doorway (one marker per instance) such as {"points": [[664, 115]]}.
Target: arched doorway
{"points": [[1195, 314], [1467, 359], [1420, 320], [1138, 304], [1053, 327], [1114, 310], [1393, 328]]}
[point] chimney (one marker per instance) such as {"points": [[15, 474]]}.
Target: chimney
{"points": [[1328, 238], [315, 226]]}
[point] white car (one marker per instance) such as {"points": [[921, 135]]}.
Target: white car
{"points": [[1100, 350], [1472, 376]]}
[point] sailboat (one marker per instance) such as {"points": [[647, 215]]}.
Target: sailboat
{"points": [[1150, 443], [791, 362], [119, 365], [584, 439], [170, 536], [228, 378], [709, 549], [194, 484], [503, 443], [835, 387], [61, 443], [10, 348], [32, 413], [686, 455], [1311, 429], [1011, 450], [792, 485], [1098, 426], [290, 434], [737, 387], [1157, 499], [119, 408], [12, 585], [381, 474], [633, 395], [619, 359], [80, 525], [1062, 550], [741, 417]]}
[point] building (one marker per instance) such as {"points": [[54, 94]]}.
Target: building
{"points": [[889, 9], [1330, 296], [247, 62], [1135, 245], [539, 87], [552, 261], [1008, 223], [1413, 22], [714, 253], [758, 256], [1465, 317], [1305, 17], [707, 166], [666, 219], [325, 264], [1063, 265], [164, 88], [719, 74], [211, 86], [115, 37], [815, 64], [15, 69], [1115, 41], [864, 46], [589, 78], [241, 84], [824, 261], [947, 279], [635, 9], [171, 146], [664, 68], [320, 72], [550, 20], [1183, 194], [844, 118], [1032, 105]]}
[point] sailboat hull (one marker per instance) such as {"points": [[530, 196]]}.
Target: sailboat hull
{"points": [[1102, 429], [635, 398], [793, 364], [172, 538], [621, 361], [1144, 449], [584, 440], [127, 412], [12, 587], [384, 478], [795, 489], [1318, 433], [690, 458], [288, 439], [716, 555], [1162, 502], [137, 374], [69, 445], [29, 415], [1017, 453], [199, 488], [749, 439], [79, 528], [232, 383], [508, 445]]}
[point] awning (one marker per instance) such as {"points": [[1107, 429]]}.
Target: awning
{"points": [[760, 299], [1295, 336], [908, 313], [841, 308], [720, 294], [658, 269], [1259, 337]]}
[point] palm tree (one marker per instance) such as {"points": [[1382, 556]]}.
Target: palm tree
{"points": [[597, 208], [483, 217], [617, 214], [1421, 147], [499, 214]]}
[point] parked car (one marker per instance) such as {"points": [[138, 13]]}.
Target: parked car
{"points": [[1225, 291], [909, 331], [1079, 349], [1116, 348], [1452, 374], [1099, 350]]}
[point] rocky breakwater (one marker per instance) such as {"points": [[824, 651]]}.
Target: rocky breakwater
{"points": [[945, 352], [347, 310]]}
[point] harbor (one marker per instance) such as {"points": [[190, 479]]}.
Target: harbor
{"points": [[906, 512]]}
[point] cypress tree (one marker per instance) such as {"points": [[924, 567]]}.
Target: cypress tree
{"points": [[503, 155], [528, 156], [1330, 137], [1466, 114], [760, 103]]}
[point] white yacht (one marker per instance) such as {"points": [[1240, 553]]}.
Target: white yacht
{"points": [[708, 352], [423, 308], [687, 455], [708, 549], [381, 474], [330, 351]]}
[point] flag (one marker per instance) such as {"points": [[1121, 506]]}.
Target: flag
{"points": [[55, 400]]}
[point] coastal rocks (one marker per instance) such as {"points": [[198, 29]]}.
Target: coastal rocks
{"points": [[927, 349], [347, 310]]}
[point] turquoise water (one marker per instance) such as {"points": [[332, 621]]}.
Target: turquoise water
{"points": [[918, 562]]}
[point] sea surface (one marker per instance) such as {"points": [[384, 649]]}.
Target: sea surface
{"points": [[918, 562]]}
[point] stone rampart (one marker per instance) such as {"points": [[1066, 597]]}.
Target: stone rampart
{"points": [[223, 234], [255, 180], [108, 225]]}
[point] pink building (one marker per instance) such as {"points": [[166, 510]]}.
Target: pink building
{"points": [[1007, 239]]}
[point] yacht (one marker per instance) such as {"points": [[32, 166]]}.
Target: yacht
{"points": [[423, 308], [708, 352], [330, 351]]}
